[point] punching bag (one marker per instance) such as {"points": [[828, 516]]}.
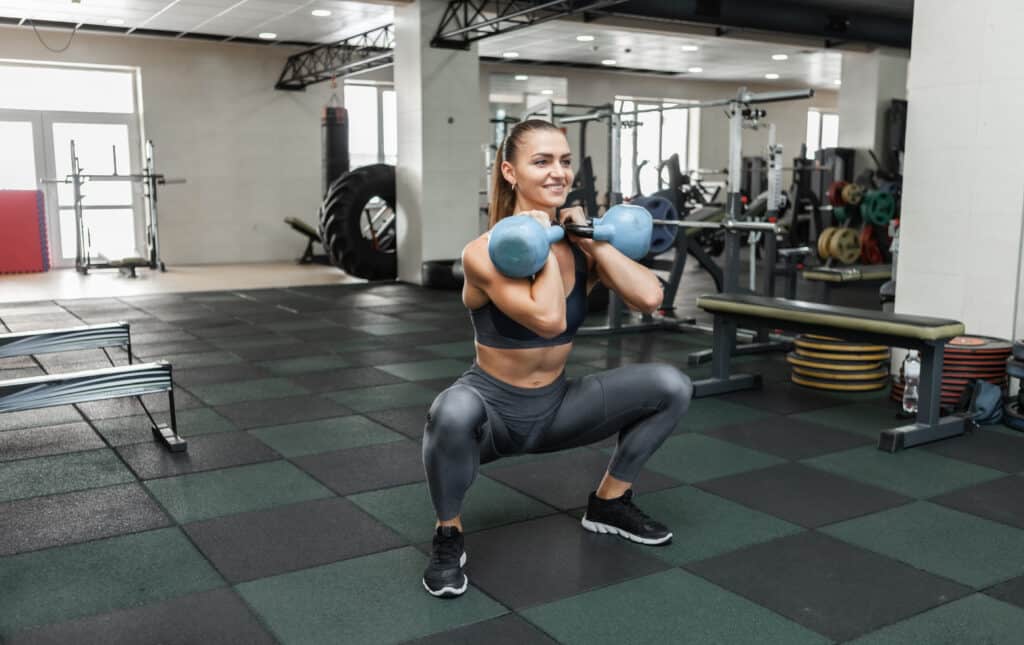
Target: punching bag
{"points": [[334, 144]]}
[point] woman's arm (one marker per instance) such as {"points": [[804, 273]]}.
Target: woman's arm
{"points": [[636, 284]]}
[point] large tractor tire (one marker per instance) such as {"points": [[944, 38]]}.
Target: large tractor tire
{"points": [[357, 222]]}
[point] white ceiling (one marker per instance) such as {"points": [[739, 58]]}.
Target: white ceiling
{"points": [[291, 20]]}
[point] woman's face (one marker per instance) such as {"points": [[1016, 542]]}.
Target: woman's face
{"points": [[542, 170]]}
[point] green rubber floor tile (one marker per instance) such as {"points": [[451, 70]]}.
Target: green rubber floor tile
{"points": [[710, 413], [974, 619], [668, 607], [61, 474], [390, 329], [955, 545], [694, 457], [127, 571], [408, 511], [324, 435], [372, 599], [235, 490], [383, 397], [299, 325], [121, 431], [426, 370], [458, 349], [257, 389], [304, 365], [253, 341], [705, 525], [910, 472], [862, 418]]}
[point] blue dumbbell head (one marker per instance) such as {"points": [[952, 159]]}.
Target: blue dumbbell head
{"points": [[519, 245], [628, 228]]}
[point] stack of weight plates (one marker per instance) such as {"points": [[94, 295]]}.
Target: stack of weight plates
{"points": [[1013, 411], [826, 363], [967, 358]]}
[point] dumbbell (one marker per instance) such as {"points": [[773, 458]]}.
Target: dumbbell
{"points": [[519, 244]]}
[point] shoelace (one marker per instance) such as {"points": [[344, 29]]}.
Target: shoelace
{"points": [[634, 511], [446, 550]]}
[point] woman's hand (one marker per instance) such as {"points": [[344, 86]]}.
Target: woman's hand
{"points": [[575, 215], [543, 218]]}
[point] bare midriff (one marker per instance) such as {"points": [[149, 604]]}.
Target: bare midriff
{"points": [[532, 367]]}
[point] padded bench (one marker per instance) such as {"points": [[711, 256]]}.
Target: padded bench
{"points": [[833, 277], [926, 335]]}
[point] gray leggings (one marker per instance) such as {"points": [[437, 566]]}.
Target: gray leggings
{"points": [[480, 418]]}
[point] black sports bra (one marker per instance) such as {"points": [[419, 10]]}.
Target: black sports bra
{"points": [[495, 329]]}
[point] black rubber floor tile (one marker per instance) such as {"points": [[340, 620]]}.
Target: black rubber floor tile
{"points": [[510, 629], [826, 585], [49, 440], [206, 452], [158, 351], [290, 350], [1000, 500], [217, 617], [993, 449], [781, 398], [388, 356], [254, 545], [130, 406], [565, 480], [38, 418], [253, 414], [343, 379], [367, 467], [803, 495], [409, 421], [1011, 591], [789, 438], [57, 520], [238, 330], [219, 374], [535, 562]]}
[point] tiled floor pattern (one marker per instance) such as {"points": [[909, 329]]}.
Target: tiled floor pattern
{"points": [[300, 514]]}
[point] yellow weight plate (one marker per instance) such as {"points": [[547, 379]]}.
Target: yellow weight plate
{"points": [[839, 387], [850, 357], [844, 245], [823, 241], [842, 376], [853, 194], [839, 347], [820, 364], [819, 337]]}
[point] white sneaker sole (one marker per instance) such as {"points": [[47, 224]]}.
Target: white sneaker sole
{"points": [[451, 592], [598, 527]]}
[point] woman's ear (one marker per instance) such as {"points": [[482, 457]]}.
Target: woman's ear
{"points": [[508, 172]]}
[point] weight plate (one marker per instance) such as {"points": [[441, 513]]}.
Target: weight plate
{"points": [[1015, 369], [975, 363], [973, 372], [844, 245], [837, 346], [840, 213], [849, 358], [878, 207], [1013, 415], [823, 364], [873, 375], [662, 236], [978, 345], [820, 337], [839, 386], [835, 193], [853, 194], [1018, 350], [823, 239]]}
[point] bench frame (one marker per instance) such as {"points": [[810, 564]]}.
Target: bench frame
{"points": [[929, 424], [49, 341]]}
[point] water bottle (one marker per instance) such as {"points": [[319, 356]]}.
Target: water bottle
{"points": [[911, 377]]}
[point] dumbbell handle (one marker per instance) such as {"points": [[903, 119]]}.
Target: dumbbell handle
{"points": [[579, 230]]}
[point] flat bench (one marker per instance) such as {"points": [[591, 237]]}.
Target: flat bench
{"points": [[833, 277], [312, 237], [36, 392], [926, 335], [48, 341]]}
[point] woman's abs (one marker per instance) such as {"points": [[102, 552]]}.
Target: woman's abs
{"points": [[533, 367]]}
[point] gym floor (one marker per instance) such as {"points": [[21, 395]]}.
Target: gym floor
{"points": [[300, 515]]}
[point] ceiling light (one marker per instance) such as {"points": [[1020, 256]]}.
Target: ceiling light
{"points": [[690, 48], [695, 70], [321, 13], [510, 54], [609, 61], [268, 35], [547, 92], [115, 21], [780, 56], [771, 77], [584, 38], [837, 82], [522, 77]]}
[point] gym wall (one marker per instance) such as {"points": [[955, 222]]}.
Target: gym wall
{"points": [[251, 154]]}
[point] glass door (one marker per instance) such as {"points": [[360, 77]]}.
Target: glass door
{"points": [[21, 155]]}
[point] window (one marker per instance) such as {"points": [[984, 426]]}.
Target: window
{"points": [[654, 137], [372, 124], [822, 131], [68, 89]]}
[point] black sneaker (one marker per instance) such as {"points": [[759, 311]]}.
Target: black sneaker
{"points": [[621, 517], [444, 577]]}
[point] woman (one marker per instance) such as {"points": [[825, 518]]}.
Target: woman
{"points": [[515, 398]]}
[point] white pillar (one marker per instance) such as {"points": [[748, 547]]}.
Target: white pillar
{"points": [[963, 189], [439, 153], [870, 82]]}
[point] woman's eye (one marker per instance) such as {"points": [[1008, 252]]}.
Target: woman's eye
{"points": [[540, 162], [567, 163]]}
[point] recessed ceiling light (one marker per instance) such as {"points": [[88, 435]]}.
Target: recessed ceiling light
{"points": [[771, 77], [695, 70], [115, 21], [510, 54], [547, 92], [268, 35], [584, 38], [522, 77], [780, 56], [690, 48], [837, 82], [609, 61], [321, 13]]}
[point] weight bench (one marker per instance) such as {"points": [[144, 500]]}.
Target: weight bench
{"points": [[312, 236], [35, 392], [48, 341], [927, 335], [833, 277]]}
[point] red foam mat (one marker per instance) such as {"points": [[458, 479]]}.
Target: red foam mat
{"points": [[24, 245]]}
